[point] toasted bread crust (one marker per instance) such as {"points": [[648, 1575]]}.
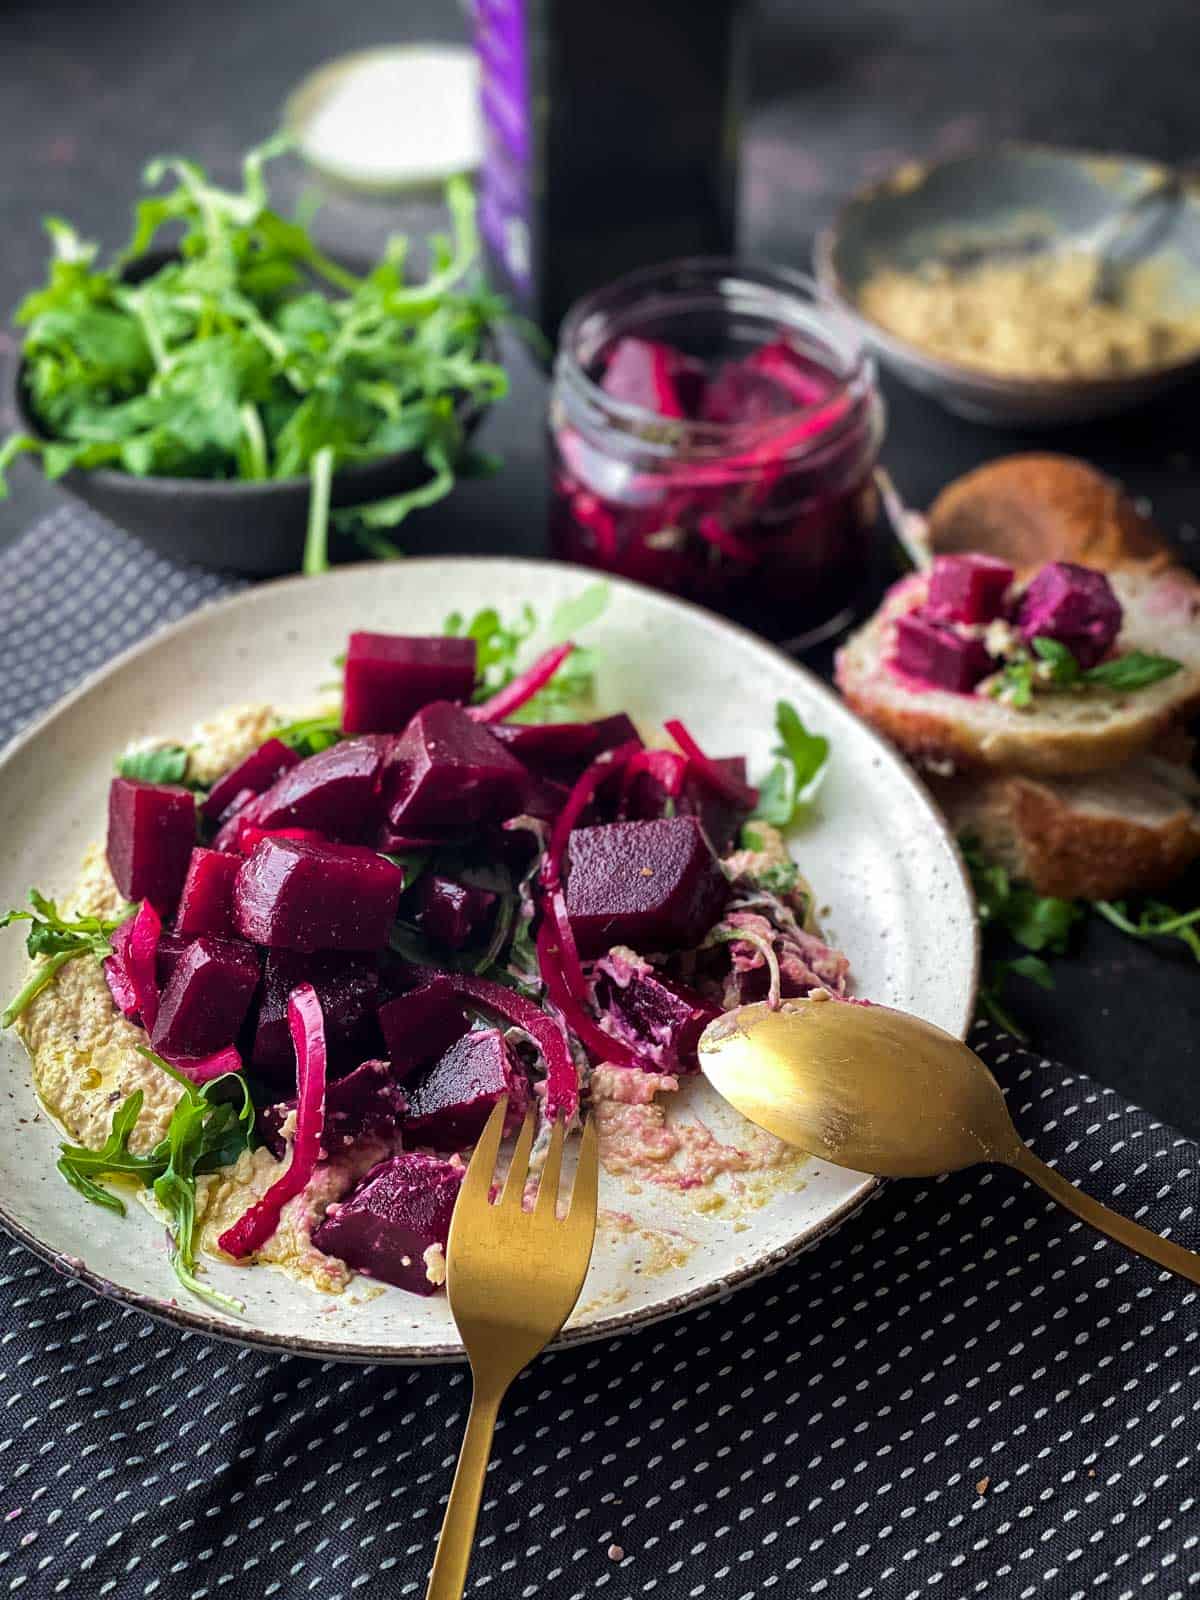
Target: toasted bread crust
{"points": [[1030, 509], [1065, 844]]}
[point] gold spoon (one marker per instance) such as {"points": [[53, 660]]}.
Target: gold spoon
{"points": [[875, 1090]]}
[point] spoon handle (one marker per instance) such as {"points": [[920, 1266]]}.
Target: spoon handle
{"points": [[1163, 1252]]}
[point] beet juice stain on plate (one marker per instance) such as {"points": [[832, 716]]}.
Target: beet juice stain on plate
{"points": [[714, 429]]}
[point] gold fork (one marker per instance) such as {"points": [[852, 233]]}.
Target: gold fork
{"points": [[513, 1277]]}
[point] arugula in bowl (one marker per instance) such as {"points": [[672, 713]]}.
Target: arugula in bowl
{"points": [[247, 354]]}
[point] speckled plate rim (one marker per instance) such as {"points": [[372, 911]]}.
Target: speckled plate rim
{"points": [[210, 1326], [828, 276]]}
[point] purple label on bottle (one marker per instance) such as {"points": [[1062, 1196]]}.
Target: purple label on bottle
{"points": [[504, 200]]}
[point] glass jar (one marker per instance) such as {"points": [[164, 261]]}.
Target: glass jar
{"points": [[767, 517]]}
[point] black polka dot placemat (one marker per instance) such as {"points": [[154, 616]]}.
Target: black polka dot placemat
{"points": [[962, 1392]]}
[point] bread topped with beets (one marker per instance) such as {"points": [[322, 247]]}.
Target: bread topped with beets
{"points": [[933, 669]]}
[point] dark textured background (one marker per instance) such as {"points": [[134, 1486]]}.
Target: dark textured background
{"points": [[840, 92]]}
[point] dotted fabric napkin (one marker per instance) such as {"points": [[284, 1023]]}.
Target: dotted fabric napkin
{"points": [[961, 1392]]}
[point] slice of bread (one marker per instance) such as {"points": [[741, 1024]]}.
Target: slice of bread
{"points": [[1064, 733], [1030, 509], [1095, 838]]}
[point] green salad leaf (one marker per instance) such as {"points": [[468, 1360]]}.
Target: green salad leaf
{"points": [[58, 939], [211, 1125], [248, 354], [167, 763], [1052, 664], [799, 767]]}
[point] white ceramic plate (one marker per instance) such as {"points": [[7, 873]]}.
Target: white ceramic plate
{"points": [[876, 852]]}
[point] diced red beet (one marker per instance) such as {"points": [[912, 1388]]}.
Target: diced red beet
{"points": [[336, 791], [292, 895], [719, 815], [656, 377], [151, 831], [235, 819], [206, 1001], [250, 835], [252, 775], [399, 1212], [544, 798], [770, 382], [1075, 605], [347, 990], [171, 948], [420, 1026], [447, 770], [449, 1108], [367, 1103], [451, 912], [662, 1020], [206, 904], [395, 841], [561, 750], [389, 677], [934, 653], [652, 885], [967, 588]]}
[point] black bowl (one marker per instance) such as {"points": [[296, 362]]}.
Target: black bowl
{"points": [[235, 525]]}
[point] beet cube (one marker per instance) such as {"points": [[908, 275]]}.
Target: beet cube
{"points": [[367, 1103], [255, 773], [206, 904], [967, 588], [420, 1026], [151, 831], [208, 996], [451, 912], [388, 678], [1074, 605], [396, 842], [394, 1221], [446, 769], [933, 653], [348, 989], [661, 1019], [171, 950], [293, 895], [235, 819], [652, 885], [449, 1108], [336, 791], [561, 750], [656, 377], [719, 816]]}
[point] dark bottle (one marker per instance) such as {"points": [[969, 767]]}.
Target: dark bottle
{"points": [[611, 140]]}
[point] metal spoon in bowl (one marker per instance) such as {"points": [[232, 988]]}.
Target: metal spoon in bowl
{"points": [[875, 1090], [1125, 235]]}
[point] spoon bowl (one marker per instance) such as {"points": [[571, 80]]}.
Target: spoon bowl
{"points": [[866, 1087], [863, 1086]]}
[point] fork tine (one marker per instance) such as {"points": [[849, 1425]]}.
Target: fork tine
{"points": [[514, 1184], [477, 1183], [547, 1195], [582, 1214]]}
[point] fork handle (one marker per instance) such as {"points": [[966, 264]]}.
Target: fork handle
{"points": [[1163, 1252], [449, 1575]]}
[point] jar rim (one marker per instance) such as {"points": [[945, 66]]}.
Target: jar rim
{"points": [[791, 300]]}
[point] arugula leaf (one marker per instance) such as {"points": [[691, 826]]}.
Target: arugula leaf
{"points": [[166, 763], [1036, 922], [249, 354], [207, 1131], [1053, 664], [1156, 920], [792, 780], [311, 734], [1137, 670], [58, 939], [501, 647]]}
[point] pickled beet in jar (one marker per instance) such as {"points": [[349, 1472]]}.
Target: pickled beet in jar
{"points": [[714, 429]]}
